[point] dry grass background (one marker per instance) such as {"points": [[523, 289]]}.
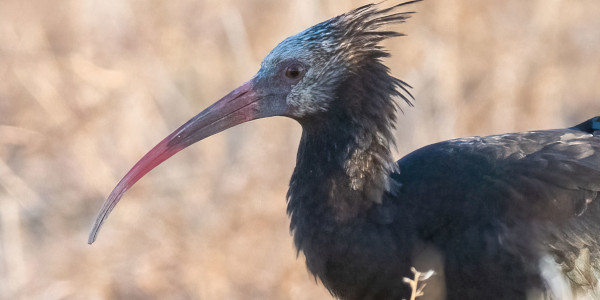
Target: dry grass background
{"points": [[87, 87]]}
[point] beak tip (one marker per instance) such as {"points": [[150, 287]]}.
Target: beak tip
{"points": [[91, 239], [93, 234]]}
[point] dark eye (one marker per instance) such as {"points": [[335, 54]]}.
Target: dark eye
{"points": [[294, 71]]}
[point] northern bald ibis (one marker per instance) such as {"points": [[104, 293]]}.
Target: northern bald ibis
{"points": [[498, 208]]}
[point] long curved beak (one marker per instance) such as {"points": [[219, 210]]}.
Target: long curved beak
{"points": [[241, 105]]}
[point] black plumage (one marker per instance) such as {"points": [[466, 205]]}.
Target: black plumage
{"points": [[498, 208]]}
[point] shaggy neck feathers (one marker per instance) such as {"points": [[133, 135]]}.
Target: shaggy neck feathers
{"points": [[344, 159]]}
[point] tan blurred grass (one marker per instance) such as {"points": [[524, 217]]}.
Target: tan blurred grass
{"points": [[86, 87]]}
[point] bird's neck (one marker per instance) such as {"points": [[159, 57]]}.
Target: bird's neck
{"points": [[342, 169]]}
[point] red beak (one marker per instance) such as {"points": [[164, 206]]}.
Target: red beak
{"points": [[241, 105]]}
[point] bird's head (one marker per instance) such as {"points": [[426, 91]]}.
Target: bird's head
{"points": [[304, 74], [328, 65]]}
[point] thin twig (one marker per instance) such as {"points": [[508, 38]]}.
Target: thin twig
{"points": [[416, 289]]}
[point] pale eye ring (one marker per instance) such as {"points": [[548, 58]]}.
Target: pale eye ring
{"points": [[294, 71]]}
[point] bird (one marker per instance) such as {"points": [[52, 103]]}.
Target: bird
{"points": [[511, 214]]}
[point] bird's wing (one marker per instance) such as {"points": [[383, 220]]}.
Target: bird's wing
{"points": [[548, 175], [555, 191], [541, 185]]}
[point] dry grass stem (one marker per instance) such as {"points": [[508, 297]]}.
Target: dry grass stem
{"points": [[416, 283]]}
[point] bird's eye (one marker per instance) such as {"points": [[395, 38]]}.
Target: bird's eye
{"points": [[294, 71]]}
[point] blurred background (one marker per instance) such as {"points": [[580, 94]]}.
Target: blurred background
{"points": [[87, 87]]}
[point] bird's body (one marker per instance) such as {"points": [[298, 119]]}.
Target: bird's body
{"points": [[494, 206], [507, 213]]}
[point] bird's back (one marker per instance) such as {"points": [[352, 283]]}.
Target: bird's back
{"points": [[510, 211]]}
